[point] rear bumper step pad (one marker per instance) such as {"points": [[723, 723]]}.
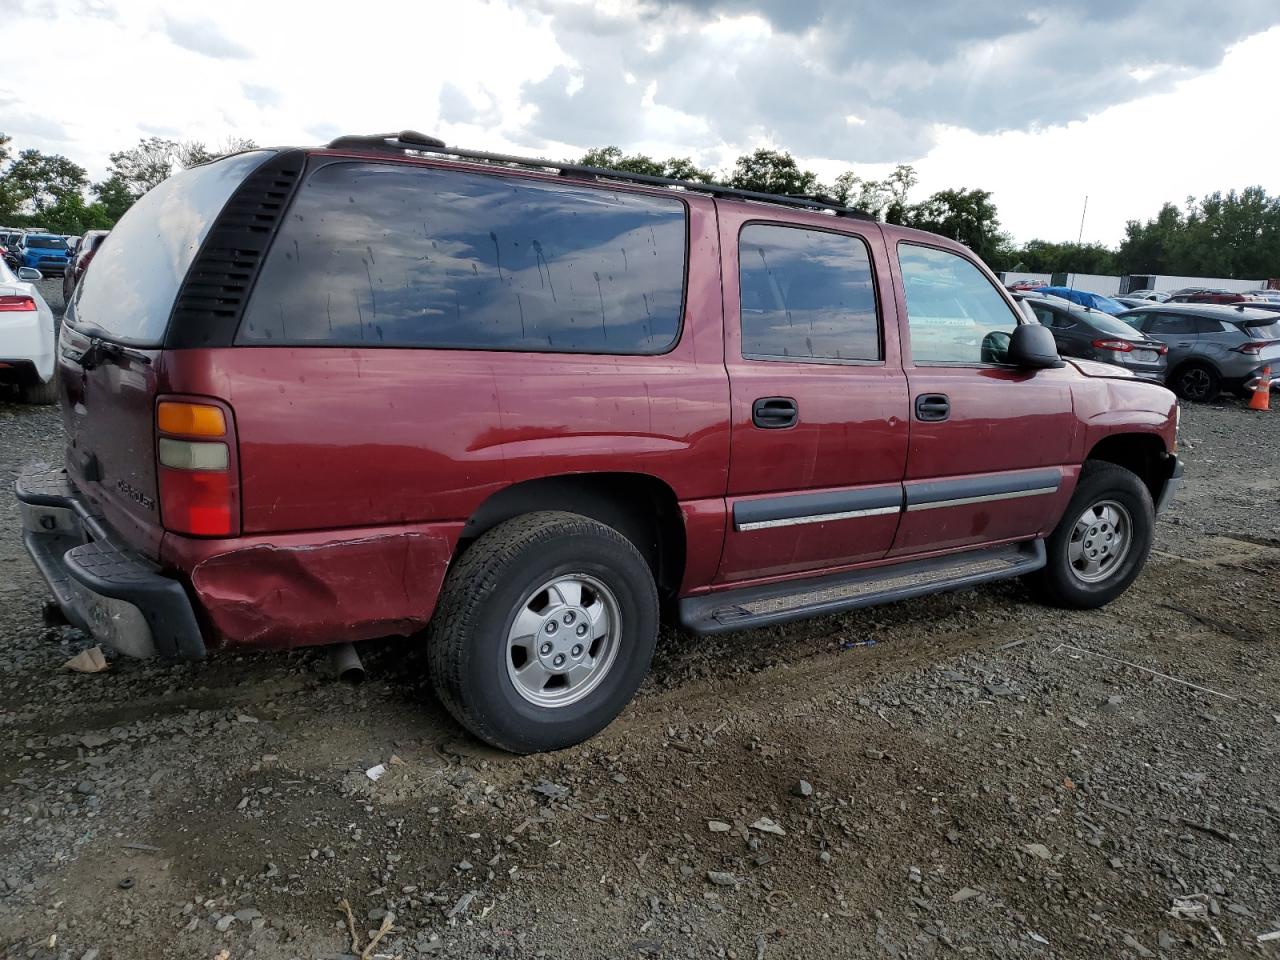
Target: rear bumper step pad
{"points": [[102, 586], [796, 599]]}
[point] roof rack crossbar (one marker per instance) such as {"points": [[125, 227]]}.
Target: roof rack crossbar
{"points": [[420, 143]]}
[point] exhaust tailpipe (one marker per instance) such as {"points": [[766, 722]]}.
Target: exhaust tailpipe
{"points": [[345, 663]]}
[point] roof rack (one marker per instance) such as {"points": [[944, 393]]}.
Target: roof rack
{"points": [[421, 143]]}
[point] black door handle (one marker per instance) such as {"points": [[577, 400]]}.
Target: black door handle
{"points": [[932, 407], [775, 413]]}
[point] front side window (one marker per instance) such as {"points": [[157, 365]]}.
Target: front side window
{"points": [[378, 254], [807, 295], [954, 313]]}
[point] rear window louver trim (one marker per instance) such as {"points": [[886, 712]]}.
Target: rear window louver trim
{"points": [[214, 293]]}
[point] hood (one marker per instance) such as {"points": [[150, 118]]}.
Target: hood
{"points": [[1092, 368]]}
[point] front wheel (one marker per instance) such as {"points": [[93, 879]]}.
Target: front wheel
{"points": [[544, 631], [1102, 542]]}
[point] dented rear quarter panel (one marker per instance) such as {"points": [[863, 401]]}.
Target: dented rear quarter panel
{"points": [[358, 466]]}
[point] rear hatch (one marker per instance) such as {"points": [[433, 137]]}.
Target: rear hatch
{"points": [[1265, 329], [111, 349]]}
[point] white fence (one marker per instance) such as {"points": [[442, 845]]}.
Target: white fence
{"points": [[1093, 283]]}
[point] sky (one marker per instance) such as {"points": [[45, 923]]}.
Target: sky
{"points": [[1128, 102]]}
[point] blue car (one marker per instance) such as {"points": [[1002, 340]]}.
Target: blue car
{"points": [[1094, 300], [46, 252]]}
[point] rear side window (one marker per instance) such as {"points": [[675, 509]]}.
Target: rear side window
{"points": [[1171, 324], [396, 255], [807, 295], [137, 270], [954, 313]]}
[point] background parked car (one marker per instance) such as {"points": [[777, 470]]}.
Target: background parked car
{"points": [[1157, 296], [1213, 347], [46, 252], [1093, 335], [1095, 300], [28, 334], [1131, 302], [1206, 295], [80, 262]]}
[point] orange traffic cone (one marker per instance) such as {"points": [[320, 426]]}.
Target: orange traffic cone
{"points": [[1261, 399]]}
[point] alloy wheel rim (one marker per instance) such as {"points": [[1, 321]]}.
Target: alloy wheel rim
{"points": [[563, 640], [1195, 383], [1100, 541]]}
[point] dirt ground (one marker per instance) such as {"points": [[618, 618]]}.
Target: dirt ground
{"points": [[971, 774]]}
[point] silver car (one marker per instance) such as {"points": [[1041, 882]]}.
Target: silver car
{"points": [[1213, 347]]}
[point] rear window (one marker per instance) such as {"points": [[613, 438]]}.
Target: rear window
{"points": [[46, 243], [398, 255], [1116, 326], [138, 269]]}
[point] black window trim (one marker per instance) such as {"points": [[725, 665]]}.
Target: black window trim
{"points": [[875, 292], [317, 162], [1019, 318]]}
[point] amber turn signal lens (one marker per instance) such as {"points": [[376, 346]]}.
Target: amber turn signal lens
{"points": [[190, 419]]}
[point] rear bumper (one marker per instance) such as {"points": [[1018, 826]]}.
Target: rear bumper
{"points": [[101, 585], [1171, 484]]}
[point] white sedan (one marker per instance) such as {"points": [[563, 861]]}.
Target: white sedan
{"points": [[28, 337]]}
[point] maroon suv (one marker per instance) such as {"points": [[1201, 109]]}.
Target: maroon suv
{"points": [[518, 410]]}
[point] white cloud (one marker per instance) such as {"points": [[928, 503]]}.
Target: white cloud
{"points": [[1037, 106]]}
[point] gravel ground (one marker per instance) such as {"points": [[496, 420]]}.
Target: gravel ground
{"points": [[967, 774]]}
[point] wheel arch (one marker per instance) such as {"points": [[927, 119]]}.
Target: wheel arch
{"points": [[641, 507], [1143, 454]]}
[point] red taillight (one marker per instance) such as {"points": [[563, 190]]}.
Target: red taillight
{"points": [[197, 502], [197, 478], [1253, 347], [1119, 346], [19, 302], [1162, 349]]}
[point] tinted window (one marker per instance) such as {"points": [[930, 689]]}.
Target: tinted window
{"points": [[412, 256], [954, 313], [1205, 325], [1050, 319], [1116, 326], [137, 271], [1170, 324], [806, 294]]}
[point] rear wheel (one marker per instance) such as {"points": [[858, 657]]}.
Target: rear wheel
{"points": [[1196, 381], [1102, 542], [544, 631]]}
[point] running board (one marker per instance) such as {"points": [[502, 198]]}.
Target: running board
{"points": [[761, 606]]}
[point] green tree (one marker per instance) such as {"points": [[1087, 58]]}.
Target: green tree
{"points": [[144, 166], [35, 182], [677, 168], [772, 171], [113, 197], [965, 215]]}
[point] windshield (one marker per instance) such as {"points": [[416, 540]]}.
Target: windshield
{"points": [[47, 243], [139, 267]]}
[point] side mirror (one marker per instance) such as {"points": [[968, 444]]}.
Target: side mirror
{"points": [[1033, 346], [29, 273]]}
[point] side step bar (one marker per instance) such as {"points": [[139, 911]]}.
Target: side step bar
{"points": [[797, 599]]}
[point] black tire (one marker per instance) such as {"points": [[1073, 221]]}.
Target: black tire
{"points": [[1197, 382], [467, 647], [41, 393], [1058, 582]]}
